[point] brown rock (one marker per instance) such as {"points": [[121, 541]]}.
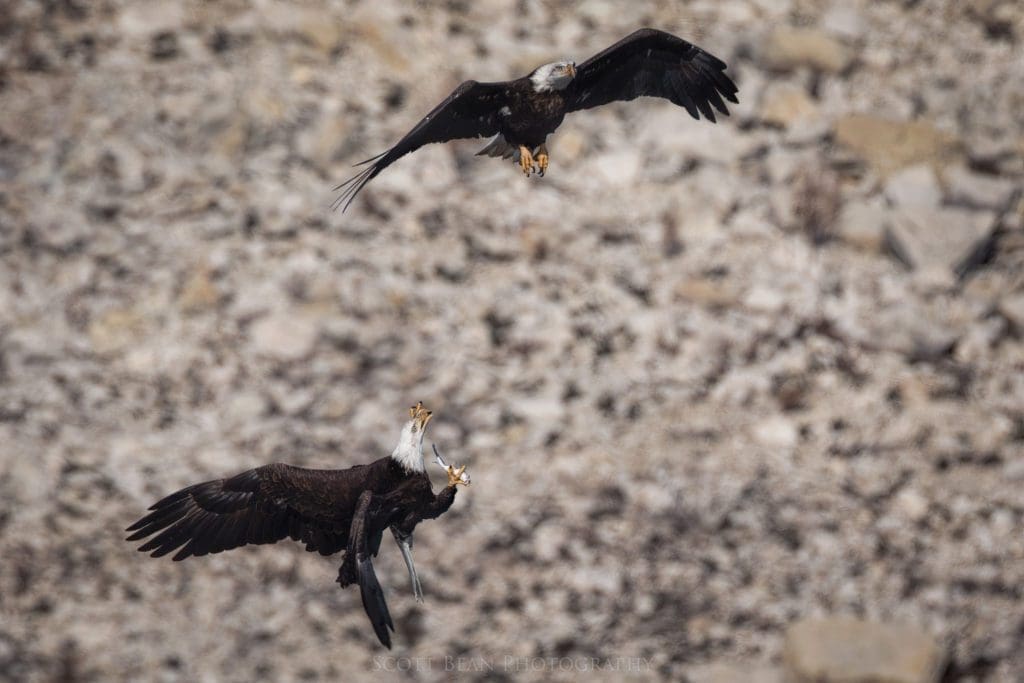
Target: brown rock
{"points": [[789, 48], [114, 330], [322, 33], [891, 145], [847, 650], [707, 292], [785, 104], [199, 293], [321, 142]]}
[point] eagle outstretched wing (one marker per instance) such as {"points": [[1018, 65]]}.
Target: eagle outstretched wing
{"points": [[471, 111], [264, 505], [653, 63]]}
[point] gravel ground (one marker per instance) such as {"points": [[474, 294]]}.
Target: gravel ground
{"points": [[708, 380]]}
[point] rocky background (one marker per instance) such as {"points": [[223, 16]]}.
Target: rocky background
{"points": [[740, 401]]}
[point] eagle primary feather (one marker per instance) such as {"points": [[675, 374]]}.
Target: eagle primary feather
{"points": [[470, 111], [654, 64]]}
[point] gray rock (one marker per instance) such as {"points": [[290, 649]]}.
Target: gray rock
{"points": [[735, 672], [284, 336], [903, 327], [1012, 306], [145, 18], [618, 167], [976, 190], [913, 504], [321, 142], [914, 187], [844, 20], [776, 432], [59, 229], [937, 238], [863, 224], [847, 650], [1003, 155]]}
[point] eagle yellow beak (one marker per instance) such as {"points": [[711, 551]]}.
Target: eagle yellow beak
{"points": [[420, 414]]}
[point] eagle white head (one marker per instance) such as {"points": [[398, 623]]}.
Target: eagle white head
{"points": [[409, 451], [553, 76]]}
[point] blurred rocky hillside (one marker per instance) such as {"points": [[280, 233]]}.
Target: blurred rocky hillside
{"points": [[735, 398]]}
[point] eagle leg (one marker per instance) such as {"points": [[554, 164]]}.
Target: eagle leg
{"points": [[542, 159], [525, 160], [405, 545]]}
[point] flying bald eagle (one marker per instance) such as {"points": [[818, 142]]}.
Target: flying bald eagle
{"points": [[328, 510], [520, 114]]}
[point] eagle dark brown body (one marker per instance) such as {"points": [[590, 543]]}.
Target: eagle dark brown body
{"points": [[327, 510], [533, 116]]}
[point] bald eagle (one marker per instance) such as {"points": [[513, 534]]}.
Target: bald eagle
{"points": [[520, 114], [327, 510]]}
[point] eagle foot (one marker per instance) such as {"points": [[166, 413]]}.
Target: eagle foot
{"points": [[542, 160], [347, 574], [525, 160], [456, 475]]}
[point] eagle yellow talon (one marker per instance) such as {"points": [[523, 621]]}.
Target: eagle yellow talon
{"points": [[455, 476], [525, 160], [542, 160]]}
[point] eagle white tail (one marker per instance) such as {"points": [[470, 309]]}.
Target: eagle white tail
{"points": [[499, 147]]}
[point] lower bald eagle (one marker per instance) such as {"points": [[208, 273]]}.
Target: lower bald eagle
{"points": [[328, 510], [520, 114]]}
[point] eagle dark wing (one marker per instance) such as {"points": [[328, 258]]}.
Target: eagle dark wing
{"points": [[655, 64], [471, 111], [263, 505]]}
